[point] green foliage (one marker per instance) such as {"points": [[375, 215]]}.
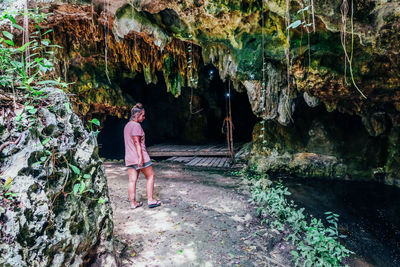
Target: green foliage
{"points": [[93, 123], [80, 181], [316, 244], [5, 193], [27, 69], [27, 66]]}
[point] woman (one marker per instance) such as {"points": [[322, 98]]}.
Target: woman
{"points": [[136, 158]]}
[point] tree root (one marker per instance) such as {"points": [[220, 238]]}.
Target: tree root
{"points": [[10, 143]]}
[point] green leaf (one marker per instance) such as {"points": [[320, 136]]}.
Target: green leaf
{"points": [[75, 169], [45, 141], [82, 187], [36, 93], [30, 80], [87, 176], [101, 200], [12, 19], [295, 24], [303, 9], [45, 42], [42, 159], [18, 27], [76, 188], [33, 111], [8, 35], [48, 31], [48, 82], [23, 48], [9, 42], [95, 121]]}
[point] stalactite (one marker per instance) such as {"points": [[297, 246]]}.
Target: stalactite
{"points": [[135, 51], [82, 39]]}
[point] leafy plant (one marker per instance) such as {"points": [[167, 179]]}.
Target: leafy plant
{"points": [[5, 194], [27, 67], [92, 125], [316, 244]]}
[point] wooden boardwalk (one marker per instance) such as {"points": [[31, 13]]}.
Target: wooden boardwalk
{"points": [[207, 162], [165, 150], [206, 156]]}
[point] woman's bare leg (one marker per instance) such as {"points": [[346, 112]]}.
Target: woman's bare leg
{"points": [[133, 177], [149, 173]]}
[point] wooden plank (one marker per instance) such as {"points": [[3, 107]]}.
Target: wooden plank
{"points": [[207, 162], [171, 159], [179, 159], [227, 163], [215, 162], [194, 161], [186, 159], [189, 148], [222, 162], [218, 163], [166, 150], [155, 148], [186, 153], [214, 159], [207, 148], [200, 161]]}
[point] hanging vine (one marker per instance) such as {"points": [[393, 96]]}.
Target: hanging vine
{"points": [[344, 9], [192, 82], [263, 81], [106, 27]]}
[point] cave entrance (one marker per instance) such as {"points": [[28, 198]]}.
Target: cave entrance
{"points": [[169, 120]]}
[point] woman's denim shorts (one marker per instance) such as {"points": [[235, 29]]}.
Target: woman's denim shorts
{"points": [[136, 166]]}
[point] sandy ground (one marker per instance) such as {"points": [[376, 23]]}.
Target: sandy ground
{"points": [[205, 220]]}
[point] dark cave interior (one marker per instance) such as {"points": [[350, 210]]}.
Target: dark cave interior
{"points": [[170, 120]]}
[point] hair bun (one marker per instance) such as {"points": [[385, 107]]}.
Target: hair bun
{"points": [[138, 105]]}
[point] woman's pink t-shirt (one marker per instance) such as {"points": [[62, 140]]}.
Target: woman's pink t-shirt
{"points": [[131, 129]]}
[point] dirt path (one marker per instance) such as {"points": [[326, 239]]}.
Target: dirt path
{"points": [[205, 220]]}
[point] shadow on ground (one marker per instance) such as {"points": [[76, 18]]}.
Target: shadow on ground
{"points": [[205, 220]]}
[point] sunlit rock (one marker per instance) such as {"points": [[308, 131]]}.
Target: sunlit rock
{"points": [[47, 223]]}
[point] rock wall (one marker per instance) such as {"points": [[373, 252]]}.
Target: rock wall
{"points": [[47, 221], [322, 144]]}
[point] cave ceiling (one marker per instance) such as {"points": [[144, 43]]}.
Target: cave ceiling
{"points": [[157, 36]]}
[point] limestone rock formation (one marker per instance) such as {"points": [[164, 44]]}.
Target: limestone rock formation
{"points": [[52, 180]]}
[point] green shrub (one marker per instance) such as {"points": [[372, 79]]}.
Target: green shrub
{"points": [[315, 244]]}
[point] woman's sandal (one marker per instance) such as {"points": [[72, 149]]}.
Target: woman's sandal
{"points": [[139, 204], [155, 204]]}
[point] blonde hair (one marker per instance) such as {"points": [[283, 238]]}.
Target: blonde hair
{"points": [[137, 109]]}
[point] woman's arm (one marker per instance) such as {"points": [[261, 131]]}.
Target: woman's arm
{"points": [[138, 146]]}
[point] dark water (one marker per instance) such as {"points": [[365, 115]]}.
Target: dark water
{"points": [[369, 216]]}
